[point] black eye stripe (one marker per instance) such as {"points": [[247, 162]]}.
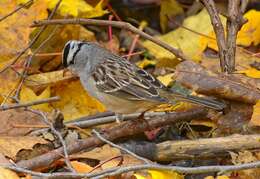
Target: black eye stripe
{"points": [[65, 55], [74, 55]]}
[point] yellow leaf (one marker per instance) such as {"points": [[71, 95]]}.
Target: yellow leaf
{"points": [[183, 39], [218, 177], [28, 95], [139, 176], [75, 102], [6, 173], [255, 119], [144, 63], [81, 167], [164, 174], [166, 79], [14, 33], [78, 8], [169, 9], [250, 31], [251, 72]]}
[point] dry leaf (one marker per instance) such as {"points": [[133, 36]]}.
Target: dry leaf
{"points": [[18, 122], [8, 174], [78, 8], [9, 146], [255, 120], [81, 167], [100, 153], [183, 39]]}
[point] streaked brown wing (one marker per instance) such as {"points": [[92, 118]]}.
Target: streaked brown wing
{"points": [[117, 76]]}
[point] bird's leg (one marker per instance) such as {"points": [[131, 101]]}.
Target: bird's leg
{"points": [[119, 118], [141, 118]]}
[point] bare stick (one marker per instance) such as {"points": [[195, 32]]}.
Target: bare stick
{"points": [[219, 30], [234, 22], [17, 9], [119, 147], [122, 25], [227, 45], [36, 102], [119, 170], [58, 134], [28, 62]]}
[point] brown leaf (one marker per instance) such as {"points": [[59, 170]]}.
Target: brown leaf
{"points": [[206, 82], [18, 122], [10, 146]]}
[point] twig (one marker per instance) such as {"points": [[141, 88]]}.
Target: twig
{"points": [[36, 102], [119, 170], [227, 45], [119, 147], [17, 9], [28, 62], [122, 25], [58, 134], [121, 130], [235, 21], [219, 30]]}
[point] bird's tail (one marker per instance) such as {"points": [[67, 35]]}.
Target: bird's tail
{"points": [[209, 103]]}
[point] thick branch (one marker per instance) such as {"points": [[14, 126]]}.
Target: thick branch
{"points": [[122, 130], [118, 24], [204, 148]]}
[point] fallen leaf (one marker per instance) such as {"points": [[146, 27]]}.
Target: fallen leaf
{"points": [[99, 153], [250, 31], [145, 63], [183, 39], [164, 174], [255, 120], [251, 72], [169, 9], [18, 122], [78, 8], [28, 95], [6, 173], [10, 146], [166, 79], [75, 102], [81, 167], [14, 34]]}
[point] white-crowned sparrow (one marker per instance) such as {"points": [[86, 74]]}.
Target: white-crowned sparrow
{"points": [[120, 85]]}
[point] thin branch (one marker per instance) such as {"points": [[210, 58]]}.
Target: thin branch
{"points": [[119, 147], [219, 30], [58, 134], [28, 3], [119, 170], [122, 25], [234, 22], [36, 102], [28, 63]]}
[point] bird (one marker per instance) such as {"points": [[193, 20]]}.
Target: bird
{"points": [[121, 86]]}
